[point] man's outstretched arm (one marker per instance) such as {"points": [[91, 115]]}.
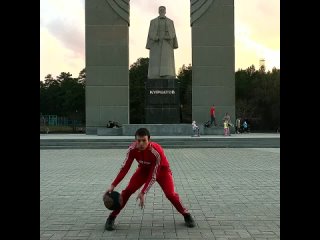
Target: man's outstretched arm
{"points": [[123, 170]]}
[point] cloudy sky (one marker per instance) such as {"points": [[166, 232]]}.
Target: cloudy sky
{"points": [[62, 24]]}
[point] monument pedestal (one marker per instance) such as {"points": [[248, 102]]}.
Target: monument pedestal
{"points": [[162, 104]]}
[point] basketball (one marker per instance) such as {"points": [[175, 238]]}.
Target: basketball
{"points": [[111, 200]]}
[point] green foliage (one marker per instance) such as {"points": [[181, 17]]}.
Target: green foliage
{"points": [[258, 97], [63, 96], [257, 94], [138, 74], [185, 80]]}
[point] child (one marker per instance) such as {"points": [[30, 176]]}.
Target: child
{"points": [[226, 127], [245, 126], [195, 129]]}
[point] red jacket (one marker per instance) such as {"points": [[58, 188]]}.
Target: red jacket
{"points": [[212, 111], [151, 159]]}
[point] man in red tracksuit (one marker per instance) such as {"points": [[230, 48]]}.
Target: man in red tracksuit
{"points": [[153, 166], [213, 115]]}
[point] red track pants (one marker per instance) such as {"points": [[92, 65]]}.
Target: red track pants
{"points": [[165, 180]]}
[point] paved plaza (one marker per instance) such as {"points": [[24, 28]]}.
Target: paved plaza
{"points": [[233, 193]]}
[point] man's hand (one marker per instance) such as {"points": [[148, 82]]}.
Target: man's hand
{"points": [[110, 189], [141, 198]]}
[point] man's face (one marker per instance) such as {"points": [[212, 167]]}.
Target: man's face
{"points": [[142, 142], [162, 11]]}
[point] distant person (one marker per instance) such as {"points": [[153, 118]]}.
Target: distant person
{"points": [[46, 125], [213, 115], [226, 128], [238, 125], [245, 126], [228, 119], [117, 125], [248, 124], [196, 129], [110, 124], [113, 124]]}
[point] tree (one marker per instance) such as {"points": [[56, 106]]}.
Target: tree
{"points": [[81, 98], [49, 95], [50, 81], [63, 96], [258, 96], [82, 77], [138, 74], [185, 80]]}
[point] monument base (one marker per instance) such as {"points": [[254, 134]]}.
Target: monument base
{"points": [[162, 104]]}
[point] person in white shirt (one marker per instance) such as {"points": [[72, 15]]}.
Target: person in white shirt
{"points": [[195, 128]]}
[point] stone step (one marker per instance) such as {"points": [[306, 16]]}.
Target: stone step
{"points": [[166, 143], [159, 130]]}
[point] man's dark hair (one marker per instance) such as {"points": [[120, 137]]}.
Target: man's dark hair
{"points": [[141, 132]]}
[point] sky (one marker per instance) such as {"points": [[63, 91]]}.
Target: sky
{"points": [[62, 28]]}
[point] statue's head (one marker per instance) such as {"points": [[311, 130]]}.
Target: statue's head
{"points": [[162, 11]]}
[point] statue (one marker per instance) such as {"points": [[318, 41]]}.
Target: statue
{"points": [[161, 42]]}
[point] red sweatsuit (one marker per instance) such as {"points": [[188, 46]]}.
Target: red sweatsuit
{"points": [[153, 166]]}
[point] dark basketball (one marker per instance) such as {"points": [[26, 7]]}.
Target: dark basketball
{"points": [[111, 200]]}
